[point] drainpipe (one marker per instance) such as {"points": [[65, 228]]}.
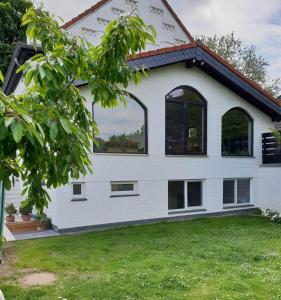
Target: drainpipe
{"points": [[2, 204]]}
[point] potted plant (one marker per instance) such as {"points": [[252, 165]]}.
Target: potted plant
{"points": [[44, 222], [25, 212], [11, 211]]}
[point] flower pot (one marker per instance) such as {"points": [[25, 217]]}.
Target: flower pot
{"points": [[26, 218], [10, 219], [43, 226]]}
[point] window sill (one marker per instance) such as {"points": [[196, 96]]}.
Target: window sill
{"points": [[188, 155], [121, 154], [239, 206], [79, 199], [237, 156], [126, 195], [174, 212]]}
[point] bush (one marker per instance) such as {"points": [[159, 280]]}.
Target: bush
{"points": [[44, 220], [10, 209], [275, 216], [25, 210]]}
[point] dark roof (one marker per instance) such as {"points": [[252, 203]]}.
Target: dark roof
{"points": [[21, 54], [194, 54], [101, 3]]}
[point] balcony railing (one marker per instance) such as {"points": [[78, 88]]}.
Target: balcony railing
{"points": [[271, 150]]}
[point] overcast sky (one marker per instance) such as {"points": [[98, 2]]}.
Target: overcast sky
{"points": [[256, 22]]}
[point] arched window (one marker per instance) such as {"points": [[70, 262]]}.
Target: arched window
{"points": [[237, 133], [122, 129], [186, 122]]}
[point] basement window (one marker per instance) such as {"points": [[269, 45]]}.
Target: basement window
{"points": [[78, 191], [184, 195], [120, 189], [236, 192]]}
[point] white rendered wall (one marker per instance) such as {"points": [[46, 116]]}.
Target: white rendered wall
{"points": [[270, 187], [153, 12], [153, 171]]}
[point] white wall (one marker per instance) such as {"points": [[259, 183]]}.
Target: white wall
{"points": [[270, 187], [153, 171], [167, 35]]}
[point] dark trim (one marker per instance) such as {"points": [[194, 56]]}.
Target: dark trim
{"points": [[186, 104], [193, 56], [131, 96], [249, 211], [125, 195], [252, 134], [79, 199], [239, 206], [186, 211], [22, 53]]}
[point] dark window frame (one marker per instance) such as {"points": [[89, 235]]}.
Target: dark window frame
{"points": [[235, 196], [251, 153], [185, 105], [132, 97], [188, 207]]}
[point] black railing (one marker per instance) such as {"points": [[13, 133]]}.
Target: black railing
{"points": [[271, 150]]}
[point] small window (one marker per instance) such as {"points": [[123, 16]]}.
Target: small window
{"points": [[236, 191], [184, 194], [78, 191], [123, 188]]}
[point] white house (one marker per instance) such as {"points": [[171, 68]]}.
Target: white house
{"points": [[192, 141]]}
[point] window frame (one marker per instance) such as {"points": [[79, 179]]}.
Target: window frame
{"points": [[82, 196], [251, 152], [188, 208], [236, 204], [114, 194], [145, 110], [185, 105]]}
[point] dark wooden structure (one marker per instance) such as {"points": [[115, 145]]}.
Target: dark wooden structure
{"points": [[271, 150]]}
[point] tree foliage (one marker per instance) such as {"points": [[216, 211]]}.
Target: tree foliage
{"points": [[245, 59], [47, 133], [11, 31]]}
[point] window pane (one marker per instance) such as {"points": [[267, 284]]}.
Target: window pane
{"points": [[77, 189], [121, 129], [236, 133], [175, 128], [185, 94], [228, 192], [243, 191], [176, 195], [122, 187], [195, 129], [194, 190]]}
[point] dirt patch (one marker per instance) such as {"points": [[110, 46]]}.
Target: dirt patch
{"points": [[37, 279], [8, 259]]}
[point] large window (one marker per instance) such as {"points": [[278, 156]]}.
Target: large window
{"points": [[122, 129], [184, 194], [237, 133], [186, 121], [236, 191]]}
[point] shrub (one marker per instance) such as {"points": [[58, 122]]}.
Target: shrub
{"points": [[275, 216], [10, 209], [25, 210], [45, 220]]}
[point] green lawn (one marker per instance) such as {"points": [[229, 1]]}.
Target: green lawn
{"points": [[220, 258]]}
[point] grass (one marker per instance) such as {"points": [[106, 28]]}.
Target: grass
{"points": [[214, 259]]}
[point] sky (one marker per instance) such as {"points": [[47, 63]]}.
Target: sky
{"points": [[256, 22]]}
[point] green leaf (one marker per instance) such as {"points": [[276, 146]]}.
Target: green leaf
{"points": [[9, 121], [65, 125], [54, 131], [17, 131], [1, 76]]}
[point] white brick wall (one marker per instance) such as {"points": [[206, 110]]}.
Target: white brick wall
{"points": [[154, 170]]}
